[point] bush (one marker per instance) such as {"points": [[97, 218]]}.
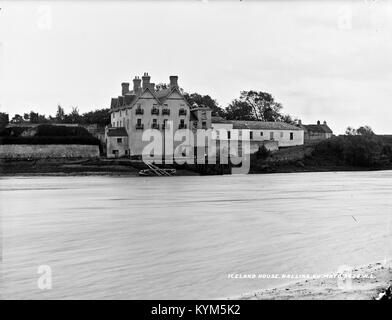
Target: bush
{"points": [[262, 153], [48, 134], [360, 151], [61, 131]]}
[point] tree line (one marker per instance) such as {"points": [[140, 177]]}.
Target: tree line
{"points": [[100, 117]]}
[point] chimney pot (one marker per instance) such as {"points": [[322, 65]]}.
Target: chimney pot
{"points": [[136, 84], [325, 123], [124, 88], [173, 81], [146, 80]]}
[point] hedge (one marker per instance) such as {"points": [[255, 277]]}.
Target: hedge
{"points": [[50, 140]]}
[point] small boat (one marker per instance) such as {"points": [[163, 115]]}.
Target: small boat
{"points": [[156, 171], [160, 172]]}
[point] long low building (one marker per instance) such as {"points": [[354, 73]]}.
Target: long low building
{"points": [[278, 134]]}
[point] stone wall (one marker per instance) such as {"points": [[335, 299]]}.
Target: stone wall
{"points": [[39, 151]]}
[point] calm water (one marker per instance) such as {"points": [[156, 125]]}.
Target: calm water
{"points": [[179, 237]]}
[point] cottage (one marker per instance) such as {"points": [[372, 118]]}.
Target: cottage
{"points": [[316, 132]]}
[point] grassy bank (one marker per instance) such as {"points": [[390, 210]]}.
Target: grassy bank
{"points": [[343, 153]]}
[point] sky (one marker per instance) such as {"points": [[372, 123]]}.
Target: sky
{"points": [[323, 60]]}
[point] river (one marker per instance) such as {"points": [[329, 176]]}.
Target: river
{"points": [[180, 237]]}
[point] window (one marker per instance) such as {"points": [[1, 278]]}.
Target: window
{"points": [[291, 135], [154, 121], [117, 124], [119, 140], [228, 134], [250, 135], [261, 133], [204, 124], [271, 136], [139, 122], [127, 124]]}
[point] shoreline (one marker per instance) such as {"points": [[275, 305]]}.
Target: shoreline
{"points": [[328, 288], [104, 167]]}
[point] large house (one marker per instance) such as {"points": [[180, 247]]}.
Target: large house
{"points": [[143, 107]]}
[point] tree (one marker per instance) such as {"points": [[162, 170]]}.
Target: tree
{"points": [[204, 101], [161, 86], [239, 110], [74, 116], [17, 119], [100, 117], [362, 131], [4, 120], [350, 131], [60, 114], [256, 105], [365, 131]]}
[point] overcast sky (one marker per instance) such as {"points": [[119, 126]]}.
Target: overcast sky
{"points": [[324, 60]]}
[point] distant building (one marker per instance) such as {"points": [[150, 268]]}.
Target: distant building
{"points": [[272, 135], [316, 132]]}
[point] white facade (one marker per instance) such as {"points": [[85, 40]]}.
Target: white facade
{"points": [[288, 137], [150, 109]]}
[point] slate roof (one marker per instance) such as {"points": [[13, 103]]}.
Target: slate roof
{"points": [[256, 125], [117, 132], [129, 100], [317, 128]]}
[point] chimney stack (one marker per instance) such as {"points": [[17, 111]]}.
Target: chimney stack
{"points": [[136, 84], [125, 88], [318, 122], [173, 81], [146, 80], [300, 122], [152, 86], [325, 123]]}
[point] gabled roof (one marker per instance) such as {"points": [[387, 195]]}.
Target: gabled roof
{"points": [[256, 125], [317, 128], [117, 132], [132, 99]]}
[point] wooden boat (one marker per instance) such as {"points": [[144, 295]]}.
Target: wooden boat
{"points": [[153, 170], [159, 172]]}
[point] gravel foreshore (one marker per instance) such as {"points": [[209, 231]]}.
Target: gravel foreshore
{"points": [[375, 279]]}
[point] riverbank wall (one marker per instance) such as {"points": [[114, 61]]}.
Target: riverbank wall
{"points": [[42, 151]]}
